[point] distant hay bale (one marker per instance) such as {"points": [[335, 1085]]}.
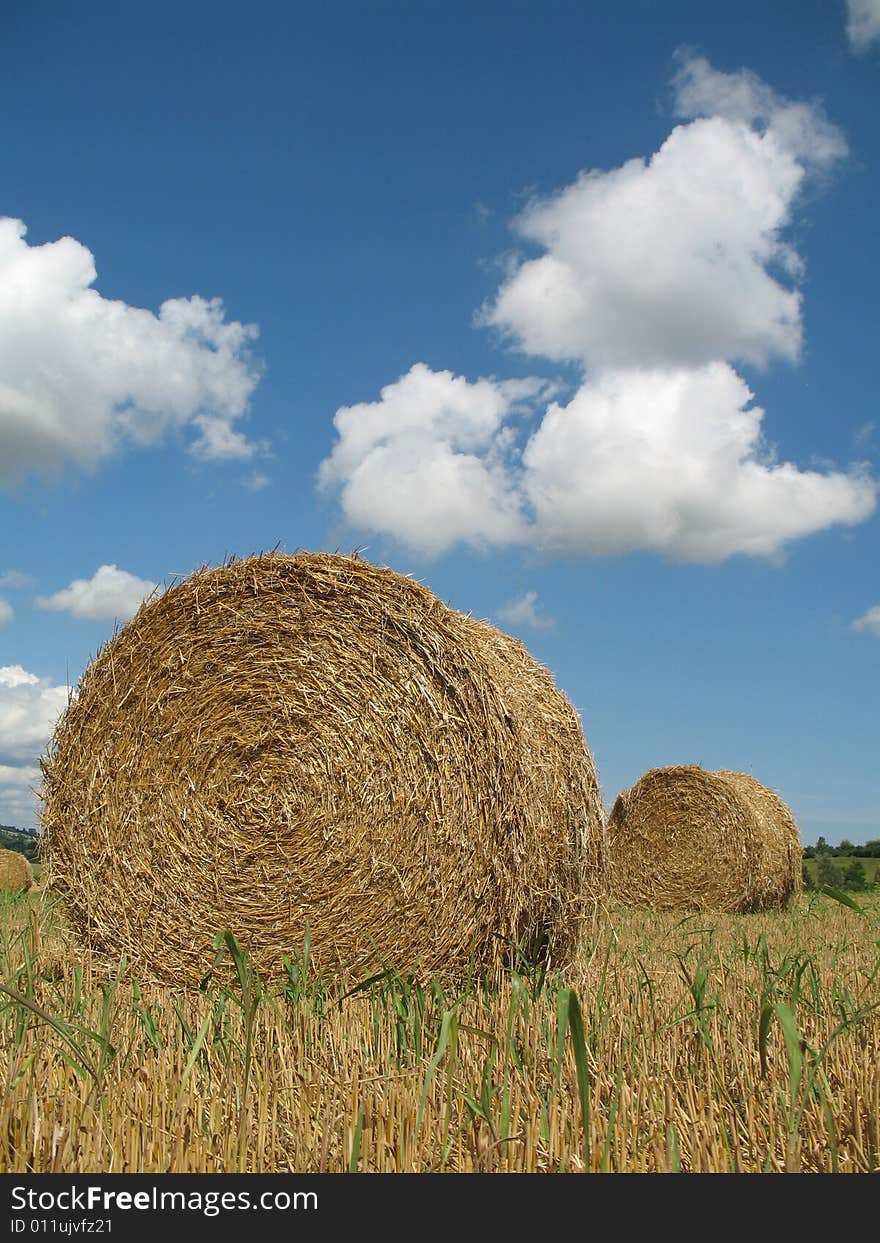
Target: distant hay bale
{"points": [[308, 739], [686, 839], [16, 872]]}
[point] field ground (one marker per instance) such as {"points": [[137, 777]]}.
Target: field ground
{"points": [[697, 1043]]}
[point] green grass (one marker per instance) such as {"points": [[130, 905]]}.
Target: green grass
{"points": [[871, 866]]}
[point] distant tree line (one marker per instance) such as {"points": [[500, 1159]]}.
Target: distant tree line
{"points": [[840, 866], [846, 850], [18, 839]]}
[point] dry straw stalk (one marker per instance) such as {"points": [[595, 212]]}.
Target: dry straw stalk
{"points": [[308, 738], [683, 838]]}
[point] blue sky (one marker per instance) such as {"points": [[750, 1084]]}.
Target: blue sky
{"points": [[568, 310]]}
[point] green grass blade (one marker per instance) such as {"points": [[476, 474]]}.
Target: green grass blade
{"points": [[793, 1049], [763, 1034], [673, 1148], [839, 895], [355, 1157], [442, 1041], [569, 1016], [194, 1052]]}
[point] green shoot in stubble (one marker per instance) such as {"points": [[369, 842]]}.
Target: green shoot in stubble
{"points": [[604, 1164], [570, 1021], [673, 1148], [446, 1023], [250, 994], [355, 1157]]}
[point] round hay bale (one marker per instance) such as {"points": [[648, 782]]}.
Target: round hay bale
{"points": [[686, 839], [16, 872], [308, 739]]}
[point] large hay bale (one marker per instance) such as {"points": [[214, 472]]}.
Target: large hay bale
{"points": [[686, 839], [310, 738], [16, 872]]}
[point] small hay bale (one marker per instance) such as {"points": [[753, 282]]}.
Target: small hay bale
{"points": [[16, 872], [686, 839], [308, 739]]}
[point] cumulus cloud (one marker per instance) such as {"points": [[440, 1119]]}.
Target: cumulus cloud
{"points": [[82, 375], [29, 708], [109, 594], [862, 23], [14, 580], [798, 128], [430, 462], [6, 612], [218, 441], [654, 278], [18, 803], [526, 611], [869, 622], [674, 461], [679, 259]]}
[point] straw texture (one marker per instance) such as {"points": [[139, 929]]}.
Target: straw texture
{"points": [[16, 872], [301, 738], [683, 838]]}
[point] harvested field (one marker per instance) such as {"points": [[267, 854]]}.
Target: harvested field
{"points": [[709, 1044]]}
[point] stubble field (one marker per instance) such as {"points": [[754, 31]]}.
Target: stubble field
{"points": [[695, 1043]]}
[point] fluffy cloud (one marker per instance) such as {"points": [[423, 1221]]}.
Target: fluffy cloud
{"points": [[6, 612], [869, 622], [654, 277], [14, 580], [29, 708], [800, 129], [863, 23], [674, 461], [526, 612], [430, 461], [18, 803], [81, 375], [109, 594], [680, 259]]}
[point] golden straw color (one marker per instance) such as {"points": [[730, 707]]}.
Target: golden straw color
{"points": [[308, 739], [15, 872], [683, 838]]}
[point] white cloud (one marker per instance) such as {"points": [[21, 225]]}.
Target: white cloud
{"points": [[18, 803], [109, 594], [255, 481], [680, 259], [869, 622], [15, 675], [14, 580], [6, 612], [526, 612], [81, 375], [29, 708], [219, 442], [798, 128], [653, 277], [863, 23], [429, 462], [674, 461]]}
